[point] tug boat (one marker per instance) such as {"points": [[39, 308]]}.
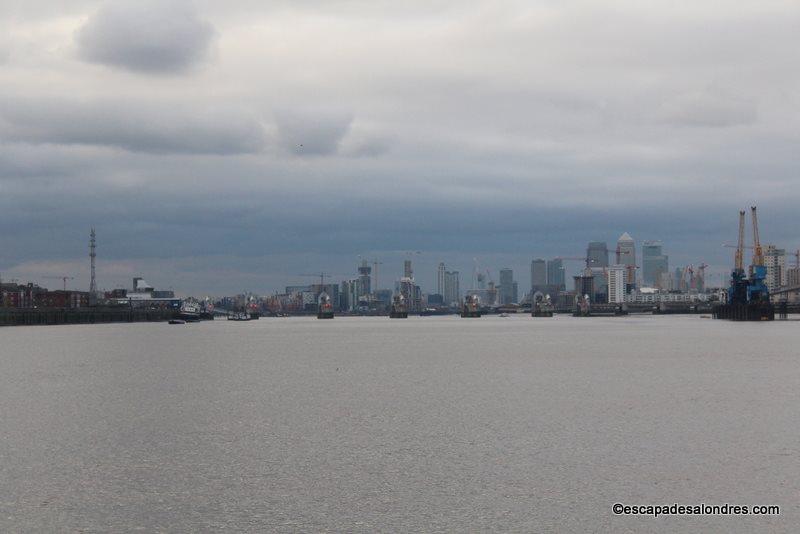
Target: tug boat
{"points": [[399, 310], [542, 306], [582, 306], [189, 312], [239, 316], [325, 310], [471, 306]]}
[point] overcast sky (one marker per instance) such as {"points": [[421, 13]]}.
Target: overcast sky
{"points": [[224, 146]]}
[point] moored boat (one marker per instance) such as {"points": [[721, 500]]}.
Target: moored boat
{"points": [[399, 310], [325, 310], [471, 306]]}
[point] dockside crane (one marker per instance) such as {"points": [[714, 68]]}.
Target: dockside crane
{"points": [[748, 296], [739, 258], [758, 253], [737, 291], [757, 289]]}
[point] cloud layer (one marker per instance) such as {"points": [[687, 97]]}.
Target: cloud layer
{"points": [[134, 126], [251, 141]]}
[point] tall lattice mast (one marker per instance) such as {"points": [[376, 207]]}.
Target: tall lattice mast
{"points": [[92, 256]]}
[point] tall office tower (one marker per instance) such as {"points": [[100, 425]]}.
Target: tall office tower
{"points": [[452, 292], [597, 254], [626, 255], [364, 277], [507, 286], [775, 262], [408, 272], [555, 274], [538, 276], [654, 263], [440, 274], [616, 284]]}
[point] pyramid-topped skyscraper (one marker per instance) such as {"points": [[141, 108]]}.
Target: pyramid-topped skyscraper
{"points": [[626, 255]]}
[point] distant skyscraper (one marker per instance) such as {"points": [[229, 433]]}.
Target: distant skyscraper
{"points": [[654, 263], [679, 280], [597, 254], [600, 283], [793, 276], [507, 286], [408, 272], [626, 255], [538, 275], [616, 284], [775, 262], [555, 274], [452, 292], [364, 277], [440, 274]]}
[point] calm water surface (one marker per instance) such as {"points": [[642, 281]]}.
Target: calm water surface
{"points": [[370, 424]]}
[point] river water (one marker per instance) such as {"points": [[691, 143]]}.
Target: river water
{"points": [[425, 424]]}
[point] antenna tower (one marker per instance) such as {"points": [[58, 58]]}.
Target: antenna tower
{"points": [[92, 256]]}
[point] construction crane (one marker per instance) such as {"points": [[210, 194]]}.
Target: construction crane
{"points": [[320, 275], [62, 278]]}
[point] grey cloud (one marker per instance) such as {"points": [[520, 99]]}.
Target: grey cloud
{"points": [[146, 36], [312, 133], [133, 126], [709, 108], [364, 141]]}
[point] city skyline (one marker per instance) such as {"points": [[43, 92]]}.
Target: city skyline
{"points": [[398, 263]]}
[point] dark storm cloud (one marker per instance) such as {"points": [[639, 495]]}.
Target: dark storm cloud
{"points": [[133, 126], [146, 36]]}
